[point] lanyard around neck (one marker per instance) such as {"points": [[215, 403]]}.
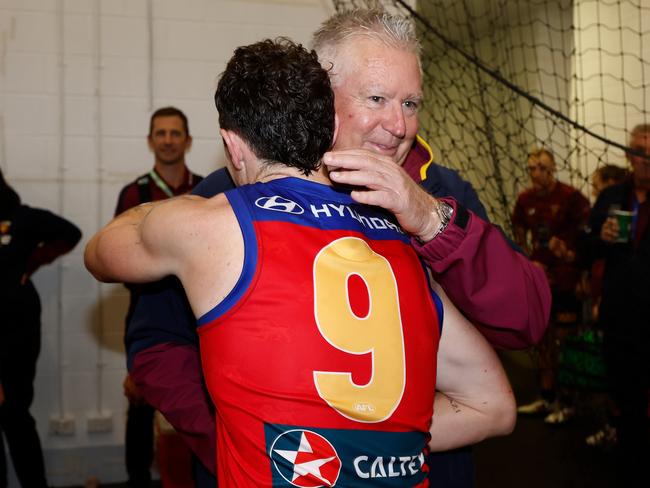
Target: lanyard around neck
{"points": [[160, 183]]}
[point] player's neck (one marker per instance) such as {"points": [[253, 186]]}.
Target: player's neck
{"points": [[274, 172]]}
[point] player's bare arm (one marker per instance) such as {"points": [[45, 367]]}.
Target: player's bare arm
{"points": [[133, 247], [474, 400], [175, 236]]}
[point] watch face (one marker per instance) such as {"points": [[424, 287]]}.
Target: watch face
{"points": [[446, 211]]}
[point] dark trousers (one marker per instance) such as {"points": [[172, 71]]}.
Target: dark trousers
{"points": [[16, 423], [451, 469], [139, 445], [203, 477], [628, 368]]}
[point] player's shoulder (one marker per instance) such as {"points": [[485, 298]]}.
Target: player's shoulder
{"points": [[191, 220], [209, 214]]}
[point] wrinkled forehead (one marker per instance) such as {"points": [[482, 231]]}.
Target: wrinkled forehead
{"points": [[358, 52]]}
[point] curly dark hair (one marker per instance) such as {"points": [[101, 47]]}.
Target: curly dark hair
{"points": [[276, 96]]}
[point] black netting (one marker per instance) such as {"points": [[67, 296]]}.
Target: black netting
{"points": [[502, 77]]}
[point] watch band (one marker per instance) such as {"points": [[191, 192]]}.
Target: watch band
{"points": [[444, 212]]}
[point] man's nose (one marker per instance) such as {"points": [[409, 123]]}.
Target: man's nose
{"points": [[167, 138], [395, 122]]}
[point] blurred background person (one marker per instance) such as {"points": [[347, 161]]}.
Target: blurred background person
{"points": [[605, 176], [624, 312], [601, 178], [169, 140], [547, 219], [29, 238]]}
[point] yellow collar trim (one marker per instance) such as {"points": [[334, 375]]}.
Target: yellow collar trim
{"points": [[425, 166]]}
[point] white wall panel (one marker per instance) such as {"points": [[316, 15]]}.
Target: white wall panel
{"points": [[124, 77], [124, 36], [31, 114], [34, 31], [30, 73], [79, 33]]}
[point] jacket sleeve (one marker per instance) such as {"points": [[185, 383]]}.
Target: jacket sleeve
{"points": [[169, 377], [499, 289], [56, 236]]}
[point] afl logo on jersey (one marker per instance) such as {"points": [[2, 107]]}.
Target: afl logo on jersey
{"points": [[279, 204], [305, 458]]}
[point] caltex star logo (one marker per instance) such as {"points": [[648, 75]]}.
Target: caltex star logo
{"points": [[305, 458]]}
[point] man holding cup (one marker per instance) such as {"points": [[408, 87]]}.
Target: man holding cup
{"points": [[618, 232]]}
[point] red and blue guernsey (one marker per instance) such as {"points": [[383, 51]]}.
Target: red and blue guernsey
{"points": [[322, 360]]}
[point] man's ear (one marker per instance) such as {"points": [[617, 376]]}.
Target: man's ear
{"points": [[188, 143], [232, 145]]}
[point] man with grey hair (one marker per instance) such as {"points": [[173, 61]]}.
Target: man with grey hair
{"points": [[373, 61]]}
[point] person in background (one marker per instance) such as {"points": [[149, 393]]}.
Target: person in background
{"points": [[602, 178], [377, 102], [606, 176], [29, 238], [547, 219], [624, 312], [169, 140]]}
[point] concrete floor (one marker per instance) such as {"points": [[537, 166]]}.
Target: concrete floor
{"points": [[537, 455]]}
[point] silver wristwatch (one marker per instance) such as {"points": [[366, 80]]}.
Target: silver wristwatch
{"points": [[445, 212]]}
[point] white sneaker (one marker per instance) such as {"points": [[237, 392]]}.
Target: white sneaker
{"points": [[560, 415], [538, 406]]}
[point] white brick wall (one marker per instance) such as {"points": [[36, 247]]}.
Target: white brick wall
{"points": [[56, 160]]}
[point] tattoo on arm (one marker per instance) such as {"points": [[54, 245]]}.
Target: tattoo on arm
{"points": [[454, 405]]}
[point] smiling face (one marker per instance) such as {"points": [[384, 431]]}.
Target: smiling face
{"points": [[169, 140], [377, 91]]}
